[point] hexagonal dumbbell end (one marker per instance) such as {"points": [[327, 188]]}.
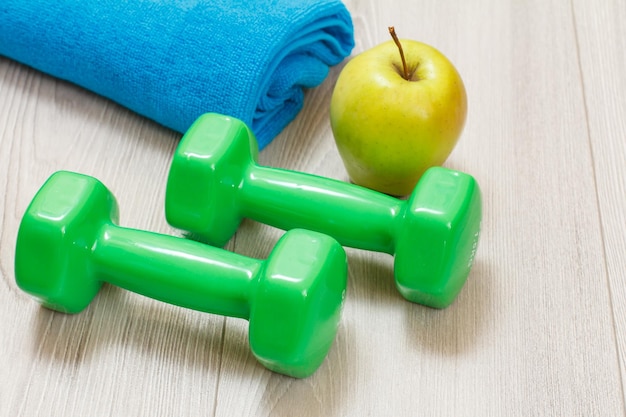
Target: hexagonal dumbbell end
{"points": [[437, 237], [207, 171], [297, 306], [55, 238]]}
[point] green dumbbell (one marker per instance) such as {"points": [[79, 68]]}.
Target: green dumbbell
{"points": [[214, 182], [68, 244]]}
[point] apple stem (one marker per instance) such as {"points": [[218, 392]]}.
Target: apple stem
{"points": [[405, 69]]}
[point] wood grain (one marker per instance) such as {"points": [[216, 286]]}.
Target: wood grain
{"points": [[601, 39], [538, 330]]}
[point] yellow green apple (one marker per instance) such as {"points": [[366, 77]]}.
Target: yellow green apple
{"points": [[397, 109]]}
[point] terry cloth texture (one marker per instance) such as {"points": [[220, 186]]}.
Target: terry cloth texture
{"points": [[173, 60]]}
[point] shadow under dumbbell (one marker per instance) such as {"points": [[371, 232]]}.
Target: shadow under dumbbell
{"points": [[255, 240], [455, 330], [74, 339], [122, 320], [325, 393], [370, 278]]}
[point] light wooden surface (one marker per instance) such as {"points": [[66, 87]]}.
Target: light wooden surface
{"points": [[539, 329]]}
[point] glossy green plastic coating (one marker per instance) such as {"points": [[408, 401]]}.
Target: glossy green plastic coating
{"points": [[69, 244], [214, 182]]}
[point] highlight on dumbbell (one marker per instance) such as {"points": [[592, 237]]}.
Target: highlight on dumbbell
{"points": [[68, 244], [214, 182]]}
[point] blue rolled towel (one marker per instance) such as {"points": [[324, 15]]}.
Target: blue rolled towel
{"points": [[172, 60]]}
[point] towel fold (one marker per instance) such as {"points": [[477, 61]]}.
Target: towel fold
{"points": [[173, 60]]}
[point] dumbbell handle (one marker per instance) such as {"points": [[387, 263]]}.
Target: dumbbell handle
{"points": [[176, 271], [357, 217]]}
